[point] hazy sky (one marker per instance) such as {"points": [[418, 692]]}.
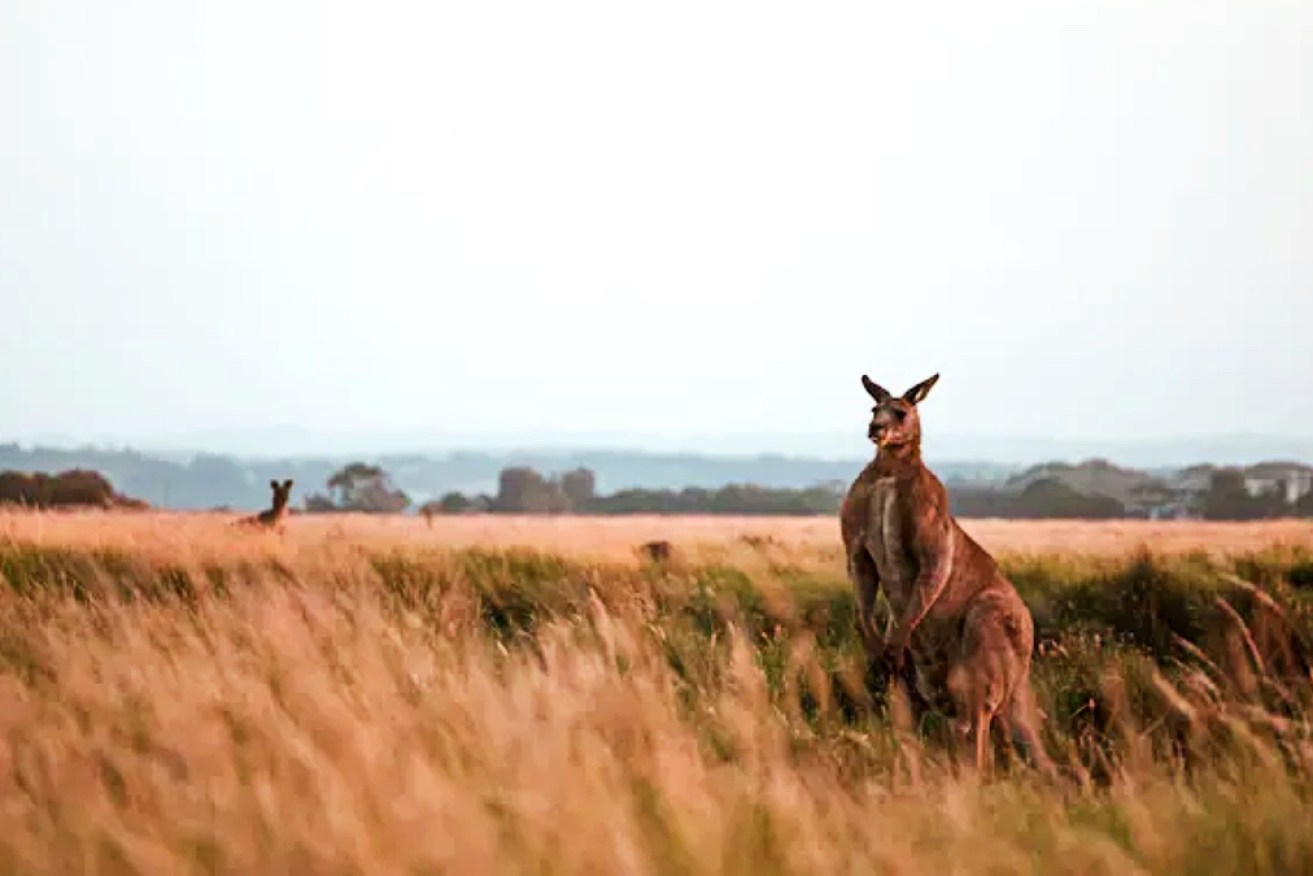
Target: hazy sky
{"points": [[661, 220]]}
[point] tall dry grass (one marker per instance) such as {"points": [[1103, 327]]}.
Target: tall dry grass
{"points": [[612, 538], [372, 697]]}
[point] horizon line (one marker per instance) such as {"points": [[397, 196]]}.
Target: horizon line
{"points": [[1091, 451]]}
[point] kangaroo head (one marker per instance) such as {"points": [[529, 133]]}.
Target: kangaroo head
{"points": [[894, 421], [282, 493]]}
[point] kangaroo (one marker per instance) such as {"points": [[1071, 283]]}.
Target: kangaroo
{"points": [[956, 619], [273, 517], [656, 551]]}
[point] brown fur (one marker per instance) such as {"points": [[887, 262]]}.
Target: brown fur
{"points": [[277, 512], [656, 551], [957, 620]]}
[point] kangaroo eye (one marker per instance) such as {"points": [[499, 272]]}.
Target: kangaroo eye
{"points": [[900, 413]]}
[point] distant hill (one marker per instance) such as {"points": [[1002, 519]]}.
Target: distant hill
{"points": [[1094, 487], [291, 442], [206, 480], [1094, 477], [1098, 488], [1149, 455]]}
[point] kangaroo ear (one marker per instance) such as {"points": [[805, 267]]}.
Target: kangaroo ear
{"points": [[287, 484], [274, 484], [917, 394], [878, 392]]}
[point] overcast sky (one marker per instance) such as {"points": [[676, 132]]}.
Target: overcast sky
{"points": [[640, 222]]}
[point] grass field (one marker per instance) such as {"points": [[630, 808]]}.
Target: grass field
{"points": [[498, 695]]}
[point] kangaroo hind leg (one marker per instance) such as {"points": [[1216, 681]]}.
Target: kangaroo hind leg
{"points": [[1023, 722], [984, 673]]}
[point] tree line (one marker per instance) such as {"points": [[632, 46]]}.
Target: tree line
{"points": [[76, 488], [361, 487], [1226, 496], [202, 481], [522, 490]]}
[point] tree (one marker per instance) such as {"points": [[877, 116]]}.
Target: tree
{"points": [[1051, 498], [521, 490], [72, 488], [365, 488], [318, 503], [1227, 498], [453, 503], [580, 487]]}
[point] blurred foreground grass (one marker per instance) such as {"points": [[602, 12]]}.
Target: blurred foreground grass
{"points": [[197, 700]]}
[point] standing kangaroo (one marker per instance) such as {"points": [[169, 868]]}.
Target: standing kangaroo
{"points": [[273, 517], [955, 615]]}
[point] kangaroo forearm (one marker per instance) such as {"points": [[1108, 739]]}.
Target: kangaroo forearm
{"points": [[866, 578], [924, 595], [935, 563]]}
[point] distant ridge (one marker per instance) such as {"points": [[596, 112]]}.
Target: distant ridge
{"points": [[182, 478], [281, 441]]}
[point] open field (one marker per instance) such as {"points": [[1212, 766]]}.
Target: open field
{"points": [[505, 695], [613, 538]]}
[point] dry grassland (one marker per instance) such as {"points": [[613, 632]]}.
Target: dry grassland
{"points": [[613, 538], [508, 695]]}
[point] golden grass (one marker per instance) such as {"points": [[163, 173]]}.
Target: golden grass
{"points": [[614, 538], [313, 715]]}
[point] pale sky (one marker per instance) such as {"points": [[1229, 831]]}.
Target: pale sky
{"points": [[654, 221]]}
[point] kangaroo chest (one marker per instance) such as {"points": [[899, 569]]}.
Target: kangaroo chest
{"points": [[886, 541]]}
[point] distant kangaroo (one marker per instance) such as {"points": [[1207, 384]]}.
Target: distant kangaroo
{"points": [[272, 518], [956, 617]]}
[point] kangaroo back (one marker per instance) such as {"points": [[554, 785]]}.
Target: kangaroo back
{"points": [[273, 517]]}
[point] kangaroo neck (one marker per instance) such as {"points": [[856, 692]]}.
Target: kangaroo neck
{"points": [[899, 459]]}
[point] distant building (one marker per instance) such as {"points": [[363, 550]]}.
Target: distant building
{"points": [[1292, 479]]}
